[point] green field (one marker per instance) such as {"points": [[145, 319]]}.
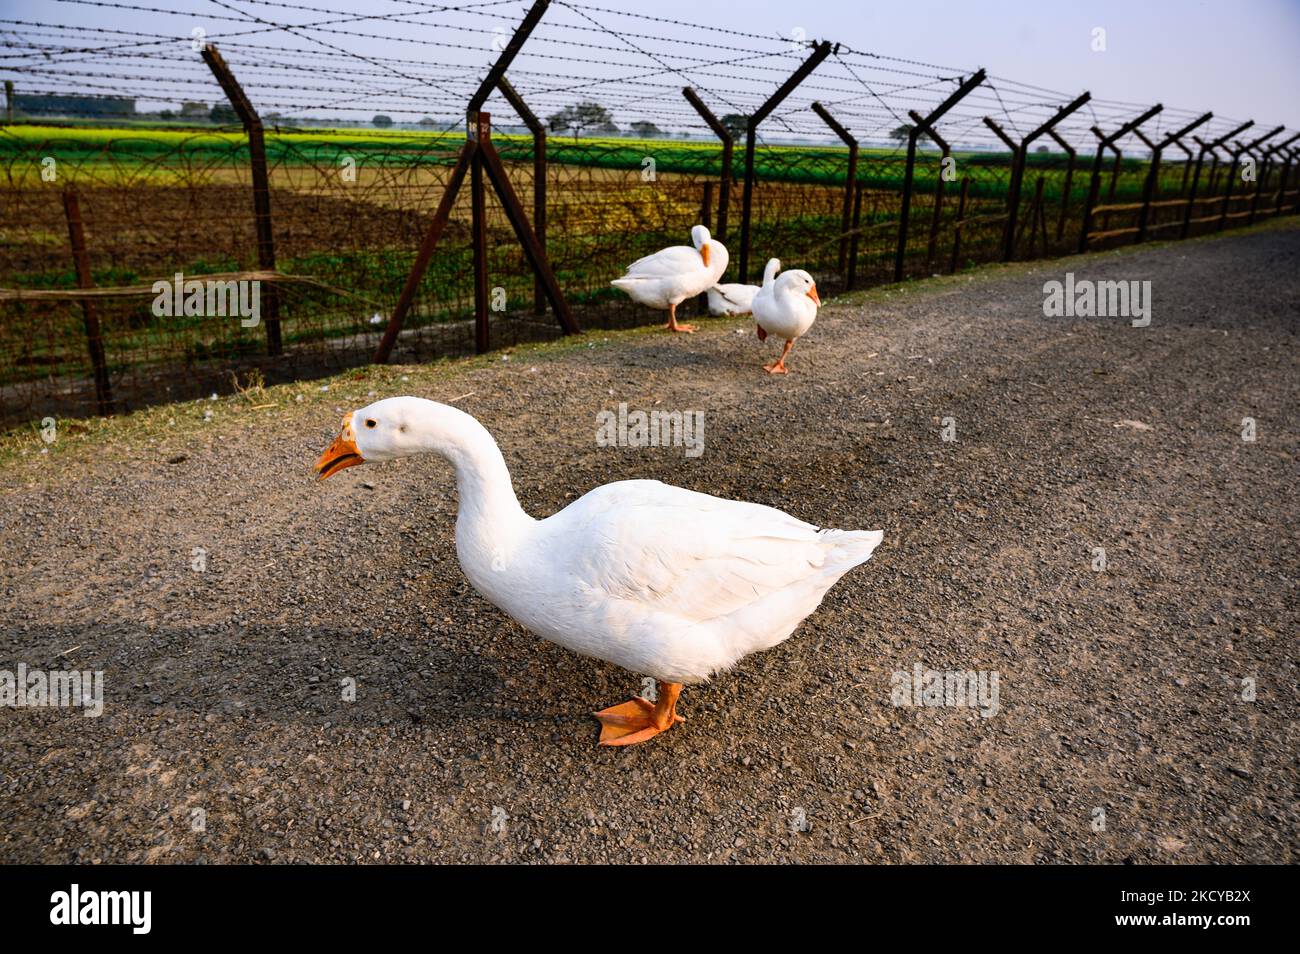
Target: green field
{"points": [[168, 152], [151, 185]]}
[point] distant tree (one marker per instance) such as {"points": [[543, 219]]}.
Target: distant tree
{"points": [[575, 119], [223, 114], [647, 130], [426, 121], [382, 120], [736, 124], [60, 104], [193, 110], [1042, 149], [607, 129], [900, 133]]}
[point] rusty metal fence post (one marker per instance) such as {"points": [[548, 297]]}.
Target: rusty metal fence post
{"points": [[850, 178], [1203, 147], [261, 188], [527, 238], [1187, 166], [539, 178], [1268, 169], [724, 135], [490, 163], [909, 171], [1242, 150], [479, 157], [1153, 171], [1151, 152], [1116, 169], [1013, 211], [1284, 179], [1114, 175], [480, 127], [959, 224], [94, 337], [1094, 186], [936, 217], [820, 52], [1294, 159], [1206, 148], [1020, 158], [1069, 182], [851, 278], [1234, 156], [425, 251], [1037, 222], [1261, 180], [1214, 173]]}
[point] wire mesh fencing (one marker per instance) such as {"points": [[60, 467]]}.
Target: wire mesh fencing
{"points": [[115, 309]]}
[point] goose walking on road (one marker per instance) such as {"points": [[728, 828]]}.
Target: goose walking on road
{"points": [[662, 581], [785, 307]]}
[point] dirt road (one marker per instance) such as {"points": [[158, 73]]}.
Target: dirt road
{"points": [[1123, 728]]}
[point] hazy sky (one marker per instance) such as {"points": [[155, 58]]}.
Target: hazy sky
{"points": [[1240, 59], [1236, 57]]}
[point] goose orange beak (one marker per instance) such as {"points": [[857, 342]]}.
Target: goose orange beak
{"points": [[704, 254], [343, 453], [812, 293]]}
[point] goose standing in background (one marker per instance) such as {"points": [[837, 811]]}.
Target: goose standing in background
{"points": [[670, 276], [786, 307], [662, 581], [732, 299]]}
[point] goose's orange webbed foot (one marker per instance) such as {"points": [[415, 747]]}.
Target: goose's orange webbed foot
{"points": [[674, 326], [778, 366], [640, 719]]}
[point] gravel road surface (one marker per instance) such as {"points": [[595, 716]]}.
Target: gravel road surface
{"points": [[1145, 711]]}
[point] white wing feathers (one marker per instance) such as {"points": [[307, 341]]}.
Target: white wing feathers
{"points": [[732, 299], [701, 557], [666, 263]]}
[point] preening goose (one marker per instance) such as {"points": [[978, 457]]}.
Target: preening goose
{"points": [[662, 581], [786, 307], [732, 299], [670, 276]]}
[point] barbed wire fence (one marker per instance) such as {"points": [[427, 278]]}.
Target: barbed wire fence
{"points": [[861, 167]]}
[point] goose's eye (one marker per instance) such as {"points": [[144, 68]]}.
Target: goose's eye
{"points": [[371, 422]]}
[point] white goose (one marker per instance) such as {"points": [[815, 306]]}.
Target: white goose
{"points": [[732, 299], [663, 581], [786, 307], [670, 276]]}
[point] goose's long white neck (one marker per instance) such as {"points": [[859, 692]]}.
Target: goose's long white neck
{"points": [[489, 519], [491, 526], [482, 478]]}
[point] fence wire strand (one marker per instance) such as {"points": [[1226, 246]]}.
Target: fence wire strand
{"points": [[364, 112]]}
